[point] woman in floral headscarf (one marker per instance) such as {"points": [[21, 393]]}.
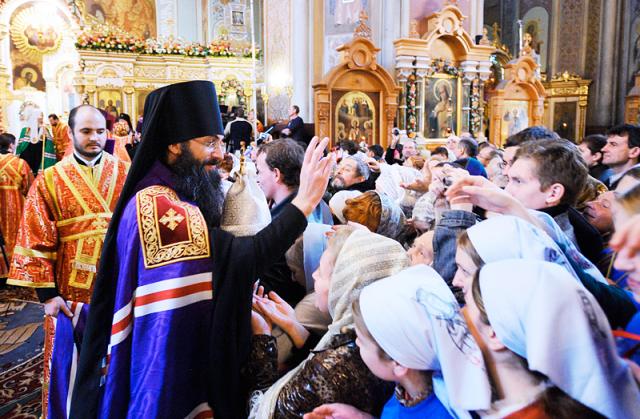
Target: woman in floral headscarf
{"points": [[378, 213]]}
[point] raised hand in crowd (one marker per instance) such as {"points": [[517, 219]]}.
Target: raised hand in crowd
{"points": [[420, 185], [626, 241], [483, 193], [374, 166], [260, 326], [337, 411]]}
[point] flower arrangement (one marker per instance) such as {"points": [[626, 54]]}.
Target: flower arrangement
{"points": [[475, 111], [110, 39], [231, 85], [221, 48], [246, 52], [412, 121], [442, 65]]}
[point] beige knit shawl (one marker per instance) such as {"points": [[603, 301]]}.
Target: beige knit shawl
{"points": [[365, 258]]}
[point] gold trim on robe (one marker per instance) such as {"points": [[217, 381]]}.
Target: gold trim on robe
{"points": [[66, 217], [170, 230], [15, 179]]}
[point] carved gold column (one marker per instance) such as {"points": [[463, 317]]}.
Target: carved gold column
{"points": [[92, 94], [390, 114], [632, 103], [128, 100], [322, 120], [5, 79], [247, 90]]}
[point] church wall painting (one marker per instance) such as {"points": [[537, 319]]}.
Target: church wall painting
{"points": [[441, 106], [634, 56], [33, 35], [137, 17], [232, 20], [28, 76], [355, 116], [515, 118], [110, 101], [536, 25], [141, 97], [340, 20]]}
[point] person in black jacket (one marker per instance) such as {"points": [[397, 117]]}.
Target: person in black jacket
{"points": [[295, 127], [279, 163], [237, 131], [398, 153], [622, 151]]}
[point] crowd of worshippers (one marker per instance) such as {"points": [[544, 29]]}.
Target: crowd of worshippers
{"points": [[465, 281]]}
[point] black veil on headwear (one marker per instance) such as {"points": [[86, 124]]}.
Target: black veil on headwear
{"points": [[172, 114]]}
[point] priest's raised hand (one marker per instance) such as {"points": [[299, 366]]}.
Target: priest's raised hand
{"points": [[314, 176]]}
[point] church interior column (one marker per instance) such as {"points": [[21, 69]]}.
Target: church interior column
{"points": [[5, 77], [301, 84], [405, 18], [606, 75], [167, 12], [477, 18], [390, 30], [278, 54]]}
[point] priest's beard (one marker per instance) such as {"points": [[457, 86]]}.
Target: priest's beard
{"points": [[195, 184]]}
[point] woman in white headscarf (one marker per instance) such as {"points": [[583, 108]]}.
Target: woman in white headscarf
{"points": [[334, 370], [547, 344], [503, 237], [480, 192], [421, 341], [507, 236]]}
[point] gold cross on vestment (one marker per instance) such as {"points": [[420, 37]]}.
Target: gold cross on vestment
{"points": [[171, 219]]}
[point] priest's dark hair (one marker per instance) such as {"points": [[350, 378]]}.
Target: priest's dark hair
{"points": [[74, 111], [199, 116], [6, 140]]}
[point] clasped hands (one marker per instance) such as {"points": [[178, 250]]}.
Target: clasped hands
{"points": [[269, 310]]}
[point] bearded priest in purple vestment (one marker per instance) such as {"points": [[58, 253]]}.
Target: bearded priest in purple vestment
{"points": [[169, 326]]}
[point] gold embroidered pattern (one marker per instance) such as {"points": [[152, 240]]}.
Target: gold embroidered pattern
{"points": [[171, 219], [158, 250]]}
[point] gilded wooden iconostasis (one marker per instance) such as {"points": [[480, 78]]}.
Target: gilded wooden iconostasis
{"points": [[517, 102], [356, 99], [127, 79], [632, 103], [566, 105], [442, 75]]}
